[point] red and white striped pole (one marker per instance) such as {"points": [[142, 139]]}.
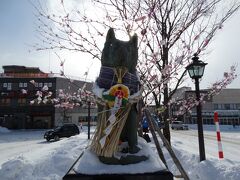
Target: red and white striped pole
{"points": [[220, 150]]}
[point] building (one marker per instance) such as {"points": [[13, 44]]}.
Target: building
{"points": [[226, 103], [16, 112]]}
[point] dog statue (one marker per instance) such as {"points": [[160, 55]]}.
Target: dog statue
{"points": [[118, 90]]}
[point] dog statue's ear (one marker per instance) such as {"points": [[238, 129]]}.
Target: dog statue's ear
{"points": [[134, 40], [110, 35]]}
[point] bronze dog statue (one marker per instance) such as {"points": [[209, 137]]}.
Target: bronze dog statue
{"points": [[118, 75]]}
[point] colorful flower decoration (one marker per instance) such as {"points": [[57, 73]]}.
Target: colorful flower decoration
{"points": [[117, 91]]}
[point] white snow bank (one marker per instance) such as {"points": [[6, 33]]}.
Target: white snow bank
{"points": [[50, 162], [215, 169], [4, 130], [210, 169], [17, 169]]}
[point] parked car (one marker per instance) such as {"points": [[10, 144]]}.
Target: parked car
{"points": [[65, 130], [179, 125]]}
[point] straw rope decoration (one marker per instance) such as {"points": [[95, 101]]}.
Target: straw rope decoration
{"points": [[112, 140], [110, 123]]}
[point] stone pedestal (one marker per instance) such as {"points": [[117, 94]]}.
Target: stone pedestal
{"points": [[89, 167], [161, 175]]}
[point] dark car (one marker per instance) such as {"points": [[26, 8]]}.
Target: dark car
{"points": [[65, 130]]}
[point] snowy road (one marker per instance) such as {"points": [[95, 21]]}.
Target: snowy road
{"points": [[188, 140], [18, 143], [31, 144], [211, 136]]}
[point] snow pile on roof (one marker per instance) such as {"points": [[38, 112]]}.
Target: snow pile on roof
{"points": [[4, 130]]}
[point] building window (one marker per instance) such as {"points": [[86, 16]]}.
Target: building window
{"points": [[238, 106], [50, 84], [5, 102], [40, 85], [36, 84], [232, 106], [21, 101], [5, 85], [21, 84], [227, 106], [9, 86], [220, 106]]}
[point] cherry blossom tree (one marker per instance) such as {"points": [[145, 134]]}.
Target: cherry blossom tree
{"points": [[169, 31], [64, 99]]}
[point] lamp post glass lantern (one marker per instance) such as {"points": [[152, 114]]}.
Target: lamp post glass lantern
{"points": [[196, 70]]}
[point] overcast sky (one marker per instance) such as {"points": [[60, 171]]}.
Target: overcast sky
{"points": [[17, 30]]}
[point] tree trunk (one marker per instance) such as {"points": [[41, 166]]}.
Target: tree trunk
{"points": [[166, 131]]}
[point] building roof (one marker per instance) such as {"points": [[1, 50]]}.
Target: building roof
{"points": [[21, 69]]}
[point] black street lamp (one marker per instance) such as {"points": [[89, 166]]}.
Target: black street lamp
{"points": [[196, 70], [89, 118]]}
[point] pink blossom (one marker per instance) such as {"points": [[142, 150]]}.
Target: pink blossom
{"points": [[45, 88], [24, 91], [33, 82], [39, 93], [32, 102]]}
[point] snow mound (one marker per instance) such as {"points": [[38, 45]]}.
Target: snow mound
{"points": [[210, 169], [13, 168], [216, 169], [47, 163], [90, 164], [4, 130]]}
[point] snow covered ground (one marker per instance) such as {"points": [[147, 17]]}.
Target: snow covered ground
{"points": [[24, 154], [185, 144]]}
